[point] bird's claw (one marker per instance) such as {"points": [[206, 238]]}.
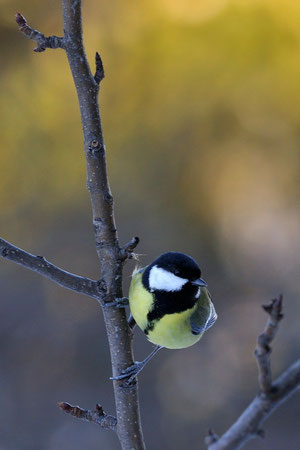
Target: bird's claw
{"points": [[118, 302], [130, 372]]}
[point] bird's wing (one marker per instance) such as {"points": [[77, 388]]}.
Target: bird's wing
{"points": [[205, 314]]}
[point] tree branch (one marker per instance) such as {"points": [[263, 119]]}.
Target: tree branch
{"points": [[43, 42], [271, 395], [98, 416], [263, 349], [40, 265], [106, 239]]}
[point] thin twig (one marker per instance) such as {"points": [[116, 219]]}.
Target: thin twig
{"points": [[98, 416], [270, 396], [99, 74], [126, 252], [248, 425], [40, 265], [43, 42], [263, 349]]}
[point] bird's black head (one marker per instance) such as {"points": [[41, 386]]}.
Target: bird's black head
{"points": [[172, 271], [179, 264]]}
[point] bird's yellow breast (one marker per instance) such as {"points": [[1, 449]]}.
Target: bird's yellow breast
{"points": [[172, 331], [140, 300]]}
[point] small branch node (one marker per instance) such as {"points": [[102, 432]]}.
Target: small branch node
{"points": [[98, 416], [211, 438], [99, 74], [108, 198], [261, 433], [274, 309], [96, 147], [99, 410], [102, 289], [4, 252], [126, 252], [42, 41]]}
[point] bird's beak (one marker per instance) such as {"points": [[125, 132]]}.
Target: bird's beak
{"points": [[199, 282]]}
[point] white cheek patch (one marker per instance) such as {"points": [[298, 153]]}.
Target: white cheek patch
{"points": [[160, 279]]}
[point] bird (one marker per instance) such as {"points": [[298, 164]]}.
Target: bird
{"points": [[170, 303]]}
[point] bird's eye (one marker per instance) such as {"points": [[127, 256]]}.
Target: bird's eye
{"points": [[176, 272]]}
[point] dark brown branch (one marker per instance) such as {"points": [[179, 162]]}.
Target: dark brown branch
{"points": [[270, 396], [98, 416], [40, 265], [43, 42], [248, 425], [99, 74], [106, 238], [263, 349], [126, 252]]}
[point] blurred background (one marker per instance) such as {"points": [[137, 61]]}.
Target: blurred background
{"points": [[201, 115]]}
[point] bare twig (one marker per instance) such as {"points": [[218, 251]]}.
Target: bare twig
{"points": [[126, 252], [271, 395], [98, 416], [263, 349], [40, 265], [43, 42], [99, 74], [248, 425]]}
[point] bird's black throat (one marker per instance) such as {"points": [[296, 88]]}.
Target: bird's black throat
{"points": [[168, 302]]}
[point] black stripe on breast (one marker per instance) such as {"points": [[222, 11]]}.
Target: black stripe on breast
{"points": [[171, 303]]}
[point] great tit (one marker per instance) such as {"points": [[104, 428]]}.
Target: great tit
{"points": [[170, 303]]}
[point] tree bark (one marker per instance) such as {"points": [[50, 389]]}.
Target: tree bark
{"points": [[107, 246]]}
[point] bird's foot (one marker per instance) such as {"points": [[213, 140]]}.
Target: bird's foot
{"points": [[118, 302], [130, 372]]}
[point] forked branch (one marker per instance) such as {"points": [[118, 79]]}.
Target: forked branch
{"points": [[105, 232], [271, 394]]}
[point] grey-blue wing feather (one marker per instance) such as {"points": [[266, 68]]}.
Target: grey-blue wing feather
{"points": [[205, 314]]}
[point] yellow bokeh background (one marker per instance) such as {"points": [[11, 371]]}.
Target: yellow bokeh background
{"points": [[200, 110]]}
